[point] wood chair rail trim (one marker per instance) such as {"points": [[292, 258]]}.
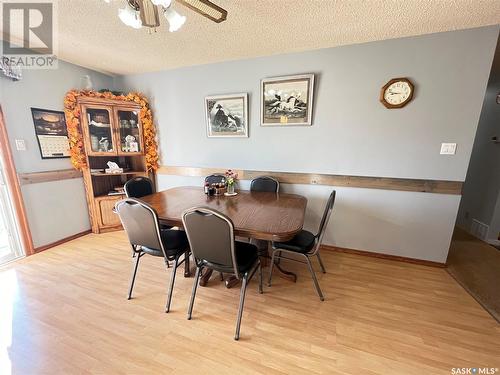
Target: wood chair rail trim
{"points": [[367, 182], [48, 176]]}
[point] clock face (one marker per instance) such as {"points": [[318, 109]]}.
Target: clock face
{"points": [[397, 93]]}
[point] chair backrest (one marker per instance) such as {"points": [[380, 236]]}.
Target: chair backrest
{"points": [[141, 224], [265, 183], [324, 220], [138, 187], [215, 179], [211, 238]]}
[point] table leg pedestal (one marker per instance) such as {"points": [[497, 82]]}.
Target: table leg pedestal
{"points": [[231, 281], [205, 276], [285, 274], [187, 267]]}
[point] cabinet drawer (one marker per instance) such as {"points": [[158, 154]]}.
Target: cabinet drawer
{"points": [[107, 216]]}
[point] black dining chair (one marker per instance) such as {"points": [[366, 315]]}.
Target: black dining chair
{"points": [[211, 238], [139, 187], [270, 185], [142, 226], [215, 179], [305, 244], [266, 184]]}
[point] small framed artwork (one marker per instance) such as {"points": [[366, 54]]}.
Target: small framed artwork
{"points": [[287, 100], [227, 115], [51, 133]]}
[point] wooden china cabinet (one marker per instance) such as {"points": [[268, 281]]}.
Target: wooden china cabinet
{"points": [[112, 131]]}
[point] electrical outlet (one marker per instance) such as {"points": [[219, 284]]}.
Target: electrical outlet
{"points": [[448, 148], [20, 145]]}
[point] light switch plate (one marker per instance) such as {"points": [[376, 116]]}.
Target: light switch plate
{"points": [[20, 145], [448, 148]]}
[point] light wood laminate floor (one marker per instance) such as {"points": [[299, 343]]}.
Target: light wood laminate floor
{"points": [[64, 311]]}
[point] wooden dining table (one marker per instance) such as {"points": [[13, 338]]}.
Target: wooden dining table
{"points": [[259, 215]]}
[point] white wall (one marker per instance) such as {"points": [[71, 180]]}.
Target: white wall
{"points": [[55, 210], [481, 193], [352, 132]]}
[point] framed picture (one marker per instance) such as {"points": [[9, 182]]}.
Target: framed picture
{"points": [[51, 133], [227, 115], [287, 100]]}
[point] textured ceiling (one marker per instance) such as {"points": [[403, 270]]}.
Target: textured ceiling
{"points": [[91, 35]]}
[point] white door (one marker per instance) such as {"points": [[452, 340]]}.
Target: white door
{"points": [[10, 244]]}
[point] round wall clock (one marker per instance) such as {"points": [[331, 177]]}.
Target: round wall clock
{"points": [[396, 93]]}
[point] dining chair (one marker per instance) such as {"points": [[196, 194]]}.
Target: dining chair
{"points": [[211, 239], [142, 226], [139, 187], [265, 183], [215, 179], [305, 244]]}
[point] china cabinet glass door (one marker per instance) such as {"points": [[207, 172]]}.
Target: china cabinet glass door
{"points": [[129, 131], [100, 131]]}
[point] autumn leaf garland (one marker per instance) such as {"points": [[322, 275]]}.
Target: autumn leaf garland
{"points": [[72, 111]]}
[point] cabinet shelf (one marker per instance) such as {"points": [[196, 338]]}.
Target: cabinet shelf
{"points": [[100, 174], [110, 196]]}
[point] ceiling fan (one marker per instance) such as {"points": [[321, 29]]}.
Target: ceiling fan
{"points": [[138, 13]]}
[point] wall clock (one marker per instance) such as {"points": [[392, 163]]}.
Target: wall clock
{"points": [[396, 93]]}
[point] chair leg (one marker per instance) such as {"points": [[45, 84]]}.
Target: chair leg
{"points": [[134, 272], [240, 309], [316, 284], [271, 269], [321, 263], [260, 278], [171, 287], [193, 294]]}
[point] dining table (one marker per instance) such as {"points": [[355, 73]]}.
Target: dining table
{"points": [[268, 216]]}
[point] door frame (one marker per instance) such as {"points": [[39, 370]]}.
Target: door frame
{"points": [[15, 189]]}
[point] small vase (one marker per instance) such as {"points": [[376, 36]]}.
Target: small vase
{"points": [[230, 189]]}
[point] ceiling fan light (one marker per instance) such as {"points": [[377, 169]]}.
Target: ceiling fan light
{"points": [[130, 17], [174, 19], [163, 3]]}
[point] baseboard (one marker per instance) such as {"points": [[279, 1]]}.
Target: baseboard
{"points": [[383, 256], [60, 242]]}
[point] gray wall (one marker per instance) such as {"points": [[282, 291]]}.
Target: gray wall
{"points": [[481, 194], [55, 209], [352, 132]]}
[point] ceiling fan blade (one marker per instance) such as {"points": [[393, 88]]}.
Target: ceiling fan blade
{"points": [[148, 12], [206, 8]]}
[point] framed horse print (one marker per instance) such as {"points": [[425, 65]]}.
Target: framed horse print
{"points": [[287, 101], [227, 115]]}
